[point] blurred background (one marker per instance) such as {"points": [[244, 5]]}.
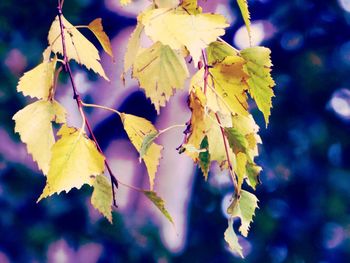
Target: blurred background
{"points": [[304, 213]]}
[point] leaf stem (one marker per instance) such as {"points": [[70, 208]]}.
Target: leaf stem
{"points": [[223, 41], [79, 101], [100, 107], [171, 127]]}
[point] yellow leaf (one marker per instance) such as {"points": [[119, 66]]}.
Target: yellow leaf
{"points": [[166, 3], [137, 129], [38, 82], [97, 28], [75, 160], [232, 239], [258, 67], [124, 2], [102, 196], [133, 47], [77, 46], [243, 6], [160, 70], [33, 123], [204, 124], [243, 140], [226, 88], [178, 29], [245, 210]]}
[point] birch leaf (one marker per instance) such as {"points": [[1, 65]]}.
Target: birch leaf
{"points": [[159, 203], [137, 129], [243, 6], [38, 82], [133, 47], [77, 46], [75, 161], [245, 210], [232, 239], [226, 88], [102, 196], [96, 27], [178, 29], [258, 67], [160, 70], [218, 51], [33, 123]]}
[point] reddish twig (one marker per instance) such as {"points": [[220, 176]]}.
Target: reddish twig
{"points": [[79, 102]]}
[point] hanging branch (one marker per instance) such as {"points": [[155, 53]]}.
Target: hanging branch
{"points": [[79, 101]]}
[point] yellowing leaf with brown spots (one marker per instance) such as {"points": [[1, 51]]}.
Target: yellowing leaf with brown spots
{"points": [[226, 87]]}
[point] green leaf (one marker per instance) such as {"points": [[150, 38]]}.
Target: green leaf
{"points": [[243, 6], [258, 67], [102, 196], [34, 125], [253, 172], [232, 239], [137, 129], [159, 203], [218, 51], [75, 161], [147, 142], [204, 157], [236, 140], [160, 70], [245, 210]]}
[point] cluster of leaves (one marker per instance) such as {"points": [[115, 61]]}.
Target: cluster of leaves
{"points": [[221, 128]]}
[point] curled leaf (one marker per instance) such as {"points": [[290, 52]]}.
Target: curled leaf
{"points": [[97, 28]]}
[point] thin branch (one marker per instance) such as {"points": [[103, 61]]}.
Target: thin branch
{"points": [[233, 176], [79, 101], [206, 70]]}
